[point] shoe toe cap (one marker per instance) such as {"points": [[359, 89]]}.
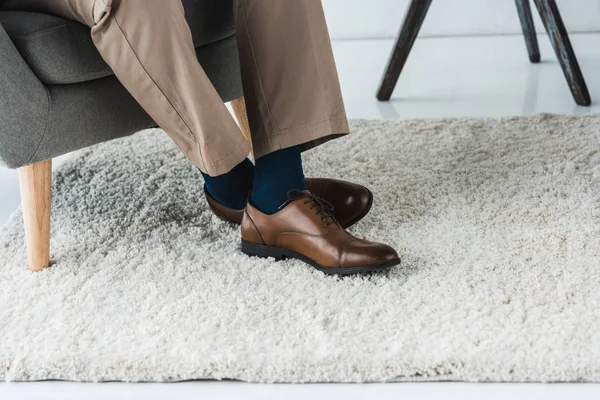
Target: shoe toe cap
{"points": [[365, 253]]}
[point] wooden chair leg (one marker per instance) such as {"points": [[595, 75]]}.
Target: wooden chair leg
{"points": [[36, 186], [408, 33], [239, 108], [564, 51], [524, 11]]}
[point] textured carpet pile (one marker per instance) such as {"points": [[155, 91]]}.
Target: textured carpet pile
{"points": [[497, 221]]}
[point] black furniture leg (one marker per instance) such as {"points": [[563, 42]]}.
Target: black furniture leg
{"points": [[408, 33], [563, 49], [524, 10]]}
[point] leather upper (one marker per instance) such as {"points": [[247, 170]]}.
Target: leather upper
{"points": [[350, 201], [299, 227]]}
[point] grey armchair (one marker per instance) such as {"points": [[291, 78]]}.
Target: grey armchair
{"points": [[57, 95]]}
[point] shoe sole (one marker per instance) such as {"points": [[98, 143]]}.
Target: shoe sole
{"points": [[263, 251]]}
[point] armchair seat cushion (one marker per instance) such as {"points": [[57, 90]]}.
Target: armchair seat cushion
{"points": [[61, 51]]}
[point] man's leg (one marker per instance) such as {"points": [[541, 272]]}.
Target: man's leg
{"points": [[149, 46], [291, 89], [290, 80], [294, 103]]}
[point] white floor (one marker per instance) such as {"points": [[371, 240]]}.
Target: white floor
{"points": [[444, 77], [247, 391]]}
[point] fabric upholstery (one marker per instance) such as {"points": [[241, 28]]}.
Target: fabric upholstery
{"points": [[24, 106], [61, 51], [57, 50]]}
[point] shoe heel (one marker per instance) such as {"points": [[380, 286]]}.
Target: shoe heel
{"points": [[259, 250]]}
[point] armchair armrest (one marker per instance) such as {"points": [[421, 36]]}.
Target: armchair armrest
{"points": [[24, 107]]}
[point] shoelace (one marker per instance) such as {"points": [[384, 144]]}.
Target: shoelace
{"points": [[324, 208]]}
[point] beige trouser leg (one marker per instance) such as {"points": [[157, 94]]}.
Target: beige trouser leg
{"points": [[290, 80], [289, 76]]}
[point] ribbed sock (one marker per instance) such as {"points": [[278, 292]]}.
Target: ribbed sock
{"points": [[274, 175], [231, 189]]}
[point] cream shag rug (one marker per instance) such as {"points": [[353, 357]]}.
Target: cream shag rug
{"points": [[497, 220]]}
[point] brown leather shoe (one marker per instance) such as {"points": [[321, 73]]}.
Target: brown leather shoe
{"points": [[305, 229], [351, 202]]}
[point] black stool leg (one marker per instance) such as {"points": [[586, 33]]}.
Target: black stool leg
{"points": [[408, 33], [524, 10], [563, 49]]}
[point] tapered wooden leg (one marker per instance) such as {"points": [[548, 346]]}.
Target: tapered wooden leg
{"points": [[524, 11], [564, 51], [36, 187], [239, 108], [408, 33]]}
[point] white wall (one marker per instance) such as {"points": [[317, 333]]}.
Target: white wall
{"points": [[349, 19]]}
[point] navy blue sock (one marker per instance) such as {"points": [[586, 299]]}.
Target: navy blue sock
{"points": [[231, 189], [274, 175]]}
